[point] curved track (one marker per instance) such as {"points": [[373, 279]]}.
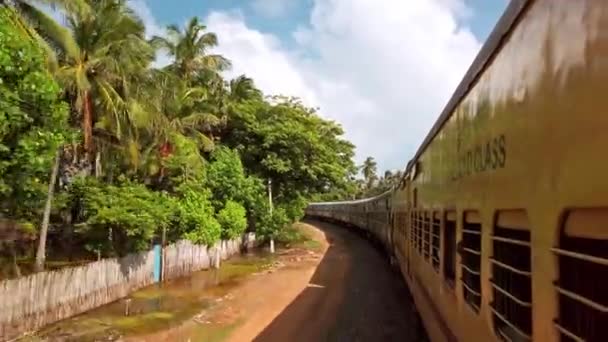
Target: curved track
{"points": [[354, 295]]}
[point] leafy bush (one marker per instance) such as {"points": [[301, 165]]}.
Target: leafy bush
{"points": [[232, 220], [196, 220], [121, 218], [227, 179], [270, 225], [294, 209], [185, 163]]}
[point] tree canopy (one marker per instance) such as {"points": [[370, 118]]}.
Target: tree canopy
{"points": [[147, 153]]}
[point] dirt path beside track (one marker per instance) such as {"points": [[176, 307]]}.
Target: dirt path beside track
{"points": [[341, 290]]}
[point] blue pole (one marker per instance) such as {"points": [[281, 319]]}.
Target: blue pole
{"points": [[157, 255]]}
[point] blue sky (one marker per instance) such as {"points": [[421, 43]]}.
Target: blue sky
{"points": [[384, 69], [483, 16]]}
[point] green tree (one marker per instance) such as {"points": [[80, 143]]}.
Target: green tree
{"points": [[287, 142], [227, 180], [33, 123], [107, 53], [197, 222], [232, 220], [369, 169], [190, 49], [38, 25], [177, 108], [122, 218]]}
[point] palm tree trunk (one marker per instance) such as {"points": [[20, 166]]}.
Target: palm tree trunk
{"points": [[87, 124], [41, 252]]}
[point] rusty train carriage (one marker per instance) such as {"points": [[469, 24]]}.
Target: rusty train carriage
{"points": [[500, 224]]}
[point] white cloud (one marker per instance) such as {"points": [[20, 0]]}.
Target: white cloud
{"points": [[153, 28], [260, 56], [384, 71], [272, 8]]}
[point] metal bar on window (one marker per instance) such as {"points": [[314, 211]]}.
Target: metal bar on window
{"points": [[470, 270], [474, 232], [583, 300], [511, 325], [511, 241], [567, 333], [464, 284], [510, 268], [503, 335], [590, 258], [471, 251], [512, 297]]}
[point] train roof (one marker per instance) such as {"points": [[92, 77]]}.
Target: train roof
{"points": [[492, 45], [359, 201]]}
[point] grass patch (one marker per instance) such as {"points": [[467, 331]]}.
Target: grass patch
{"points": [[296, 236], [312, 245]]}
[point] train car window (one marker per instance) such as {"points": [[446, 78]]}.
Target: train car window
{"points": [[407, 232], [426, 246], [435, 240], [511, 276], [413, 235], [471, 259], [449, 248], [583, 276], [417, 230]]}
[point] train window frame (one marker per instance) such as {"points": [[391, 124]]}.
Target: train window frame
{"points": [[581, 256], [436, 227], [449, 256], [470, 261], [426, 236], [511, 275], [414, 230], [419, 224]]}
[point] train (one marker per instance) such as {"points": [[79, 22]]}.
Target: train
{"points": [[499, 225]]}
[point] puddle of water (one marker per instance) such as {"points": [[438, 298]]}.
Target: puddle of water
{"points": [[157, 307]]}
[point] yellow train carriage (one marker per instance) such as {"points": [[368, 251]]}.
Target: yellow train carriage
{"points": [[506, 202], [500, 225]]}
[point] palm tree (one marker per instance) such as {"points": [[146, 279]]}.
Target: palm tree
{"points": [[190, 49], [242, 88], [170, 110], [97, 72], [223, 99], [36, 23], [368, 169]]}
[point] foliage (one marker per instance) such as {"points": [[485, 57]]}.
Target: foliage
{"points": [[369, 169], [175, 152], [294, 209], [287, 142], [232, 220], [190, 48], [372, 184], [129, 215], [227, 180], [196, 221], [269, 225], [33, 123], [185, 163]]}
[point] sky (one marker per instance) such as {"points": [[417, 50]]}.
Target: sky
{"points": [[383, 69]]}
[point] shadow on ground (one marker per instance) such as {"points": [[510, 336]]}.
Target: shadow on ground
{"points": [[354, 295]]}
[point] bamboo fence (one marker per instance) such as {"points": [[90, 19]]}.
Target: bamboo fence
{"points": [[29, 303]]}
